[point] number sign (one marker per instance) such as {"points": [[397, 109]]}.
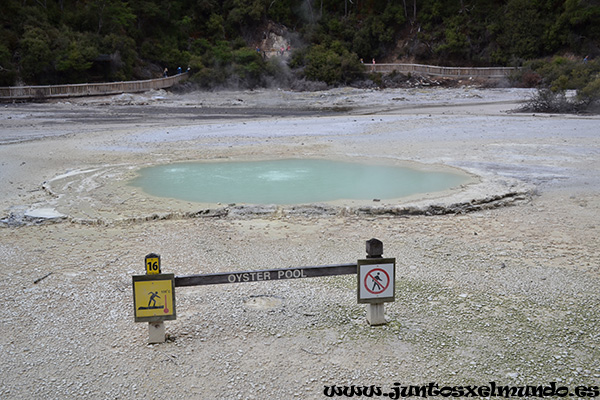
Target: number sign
{"points": [[152, 264]]}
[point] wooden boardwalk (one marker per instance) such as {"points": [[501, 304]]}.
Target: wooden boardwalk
{"points": [[87, 89], [13, 93], [448, 72]]}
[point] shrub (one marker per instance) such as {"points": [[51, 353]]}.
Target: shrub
{"points": [[549, 101], [590, 93], [558, 76]]}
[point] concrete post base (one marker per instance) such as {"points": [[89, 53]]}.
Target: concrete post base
{"points": [[156, 332], [375, 314]]}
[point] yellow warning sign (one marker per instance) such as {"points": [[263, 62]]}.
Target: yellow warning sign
{"points": [[154, 297]]}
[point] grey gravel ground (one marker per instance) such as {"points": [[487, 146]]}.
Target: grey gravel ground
{"points": [[504, 294]]}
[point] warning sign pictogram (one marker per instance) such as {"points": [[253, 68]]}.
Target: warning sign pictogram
{"points": [[154, 297], [376, 280]]}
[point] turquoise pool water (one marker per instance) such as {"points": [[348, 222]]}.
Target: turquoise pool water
{"points": [[291, 181]]}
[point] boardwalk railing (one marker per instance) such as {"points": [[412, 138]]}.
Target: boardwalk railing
{"points": [[87, 89], [432, 70]]}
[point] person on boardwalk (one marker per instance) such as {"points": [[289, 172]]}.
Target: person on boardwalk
{"points": [[165, 73]]}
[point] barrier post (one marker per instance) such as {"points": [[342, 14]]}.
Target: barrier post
{"points": [[156, 330], [154, 298], [376, 282], [375, 311]]}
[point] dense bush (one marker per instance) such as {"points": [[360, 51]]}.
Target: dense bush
{"points": [[332, 64]]}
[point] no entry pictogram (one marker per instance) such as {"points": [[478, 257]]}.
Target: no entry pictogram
{"points": [[376, 280]]}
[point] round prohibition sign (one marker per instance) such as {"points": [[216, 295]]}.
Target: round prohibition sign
{"points": [[377, 285]]}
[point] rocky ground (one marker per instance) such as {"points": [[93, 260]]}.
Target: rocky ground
{"points": [[500, 286]]}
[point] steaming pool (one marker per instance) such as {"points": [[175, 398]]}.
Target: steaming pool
{"points": [[290, 181]]}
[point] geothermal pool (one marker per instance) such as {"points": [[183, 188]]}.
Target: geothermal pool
{"points": [[290, 181]]}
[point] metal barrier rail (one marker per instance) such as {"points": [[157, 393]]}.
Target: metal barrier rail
{"points": [[87, 89], [265, 275]]}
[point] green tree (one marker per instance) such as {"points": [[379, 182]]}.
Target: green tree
{"points": [[577, 27], [74, 56], [123, 55], [333, 65], [37, 55], [111, 16], [525, 27]]}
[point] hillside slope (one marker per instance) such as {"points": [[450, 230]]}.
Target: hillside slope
{"points": [[70, 41]]}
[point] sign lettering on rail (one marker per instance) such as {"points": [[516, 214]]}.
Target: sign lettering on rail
{"points": [[258, 276], [376, 280]]}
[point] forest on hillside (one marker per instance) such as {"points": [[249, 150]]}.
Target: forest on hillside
{"points": [[73, 41]]}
